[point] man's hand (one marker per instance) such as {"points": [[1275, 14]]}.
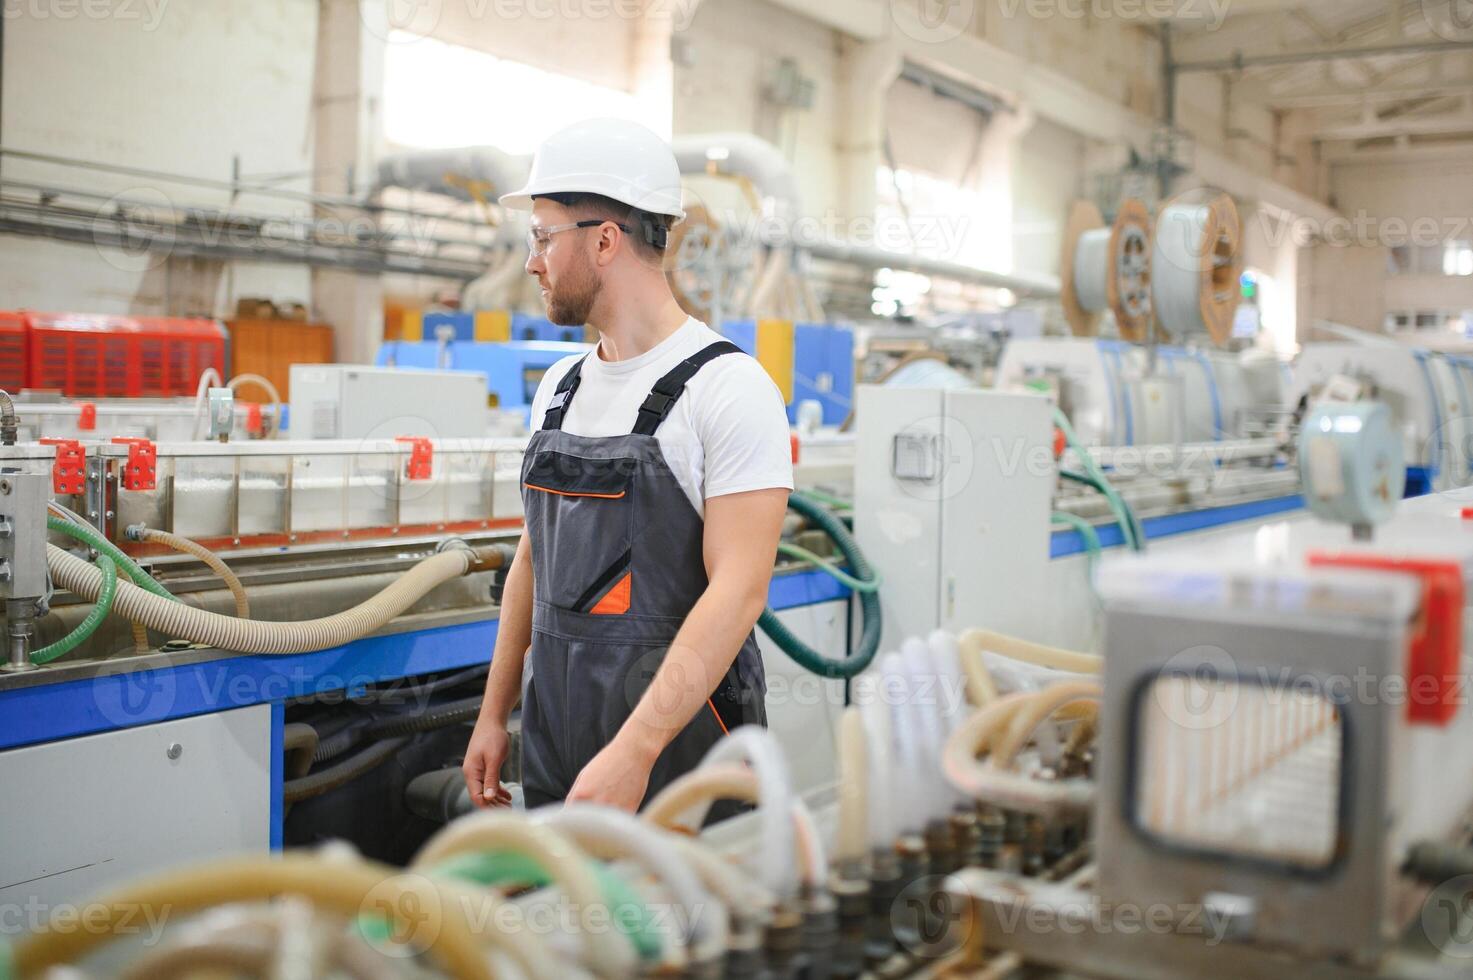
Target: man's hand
{"points": [[618, 776], [484, 755]]}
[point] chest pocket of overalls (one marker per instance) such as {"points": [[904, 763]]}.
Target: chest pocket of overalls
{"points": [[587, 520]]}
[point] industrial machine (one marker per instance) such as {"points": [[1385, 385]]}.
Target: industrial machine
{"points": [[209, 617], [1428, 394], [355, 401], [512, 370], [1250, 779]]}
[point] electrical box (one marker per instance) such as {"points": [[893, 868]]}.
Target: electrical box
{"points": [[356, 401], [953, 495]]}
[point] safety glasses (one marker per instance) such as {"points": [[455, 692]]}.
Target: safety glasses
{"points": [[538, 239]]}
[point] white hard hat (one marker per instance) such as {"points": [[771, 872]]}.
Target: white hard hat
{"points": [[613, 157]]}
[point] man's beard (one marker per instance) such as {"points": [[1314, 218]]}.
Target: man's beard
{"points": [[571, 301]]}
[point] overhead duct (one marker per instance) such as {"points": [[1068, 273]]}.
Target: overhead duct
{"points": [[745, 156], [452, 172], [750, 157]]}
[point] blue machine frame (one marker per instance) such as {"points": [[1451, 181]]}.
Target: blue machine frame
{"points": [[508, 366], [122, 698]]}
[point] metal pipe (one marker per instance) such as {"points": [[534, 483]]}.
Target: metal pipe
{"points": [[20, 615], [9, 421], [1240, 60]]}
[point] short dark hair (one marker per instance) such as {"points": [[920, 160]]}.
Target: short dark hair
{"points": [[649, 231]]}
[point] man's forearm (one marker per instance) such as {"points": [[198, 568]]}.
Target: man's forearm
{"points": [[697, 660], [513, 637]]}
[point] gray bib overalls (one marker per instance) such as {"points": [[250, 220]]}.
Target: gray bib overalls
{"points": [[618, 564]]}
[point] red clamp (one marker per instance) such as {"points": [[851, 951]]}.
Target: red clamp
{"points": [[253, 419], [69, 472], [139, 471], [1436, 648], [86, 417], [421, 457]]}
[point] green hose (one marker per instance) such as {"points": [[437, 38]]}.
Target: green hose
{"points": [[494, 868], [869, 603], [89, 625], [1135, 535], [825, 565], [1130, 528], [829, 499], [1087, 532], [88, 535]]}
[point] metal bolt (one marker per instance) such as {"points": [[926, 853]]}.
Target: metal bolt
{"points": [[4, 486], [175, 750]]}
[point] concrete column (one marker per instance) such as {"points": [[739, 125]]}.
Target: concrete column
{"points": [[651, 71], [347, 134], [867, 69]]}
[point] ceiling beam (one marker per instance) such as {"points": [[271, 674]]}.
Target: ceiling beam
{"points": [[1451, 124], [1240, 60]]}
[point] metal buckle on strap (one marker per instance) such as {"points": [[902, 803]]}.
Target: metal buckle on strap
{"points": [[558, 400]]}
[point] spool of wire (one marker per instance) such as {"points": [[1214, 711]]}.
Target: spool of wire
{"points": [[1196, 266], [1107, 268]]}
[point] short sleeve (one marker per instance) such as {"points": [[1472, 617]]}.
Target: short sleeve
{"points": [[743, 427]]}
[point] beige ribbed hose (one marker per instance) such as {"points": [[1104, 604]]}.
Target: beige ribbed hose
{"points": [[1033, 653], [414, 902], [248, 636], [194, 549]]}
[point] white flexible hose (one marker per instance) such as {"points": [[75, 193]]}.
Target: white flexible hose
{"points": [[880, 748], [810, 846], [853, 787], [275, 396], [200, 392], [777, 858], [605, 950], [609, 834], [740, 893], [927, 704], [253, 636], [912, 803]]}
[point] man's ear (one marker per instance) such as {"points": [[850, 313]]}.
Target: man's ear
{"points": [[607, 244]]}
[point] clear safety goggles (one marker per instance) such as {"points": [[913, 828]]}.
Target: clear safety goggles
{"points": [[538, 239]]}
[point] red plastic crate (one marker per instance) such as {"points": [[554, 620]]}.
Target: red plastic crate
{"points": [[87, 356], [12, 352]]}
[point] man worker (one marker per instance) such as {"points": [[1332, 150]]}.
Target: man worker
{"points": [[654, 489]]}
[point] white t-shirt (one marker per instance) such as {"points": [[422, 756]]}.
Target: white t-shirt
{"points": [[728, 433]]}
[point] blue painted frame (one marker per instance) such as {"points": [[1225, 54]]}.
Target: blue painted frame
{"points": [[1062, 544], [125, 698]]}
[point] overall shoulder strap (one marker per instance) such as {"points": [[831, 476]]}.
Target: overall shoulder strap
{"points": [[667, 390], [566, 387]]}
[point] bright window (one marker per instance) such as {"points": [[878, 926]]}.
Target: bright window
{"points": [[1457, 259], [439, 95]]}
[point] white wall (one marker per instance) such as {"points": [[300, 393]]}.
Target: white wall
{"points": [[1048, 175], [184, 92], [724, 56], [1428, 199]]}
